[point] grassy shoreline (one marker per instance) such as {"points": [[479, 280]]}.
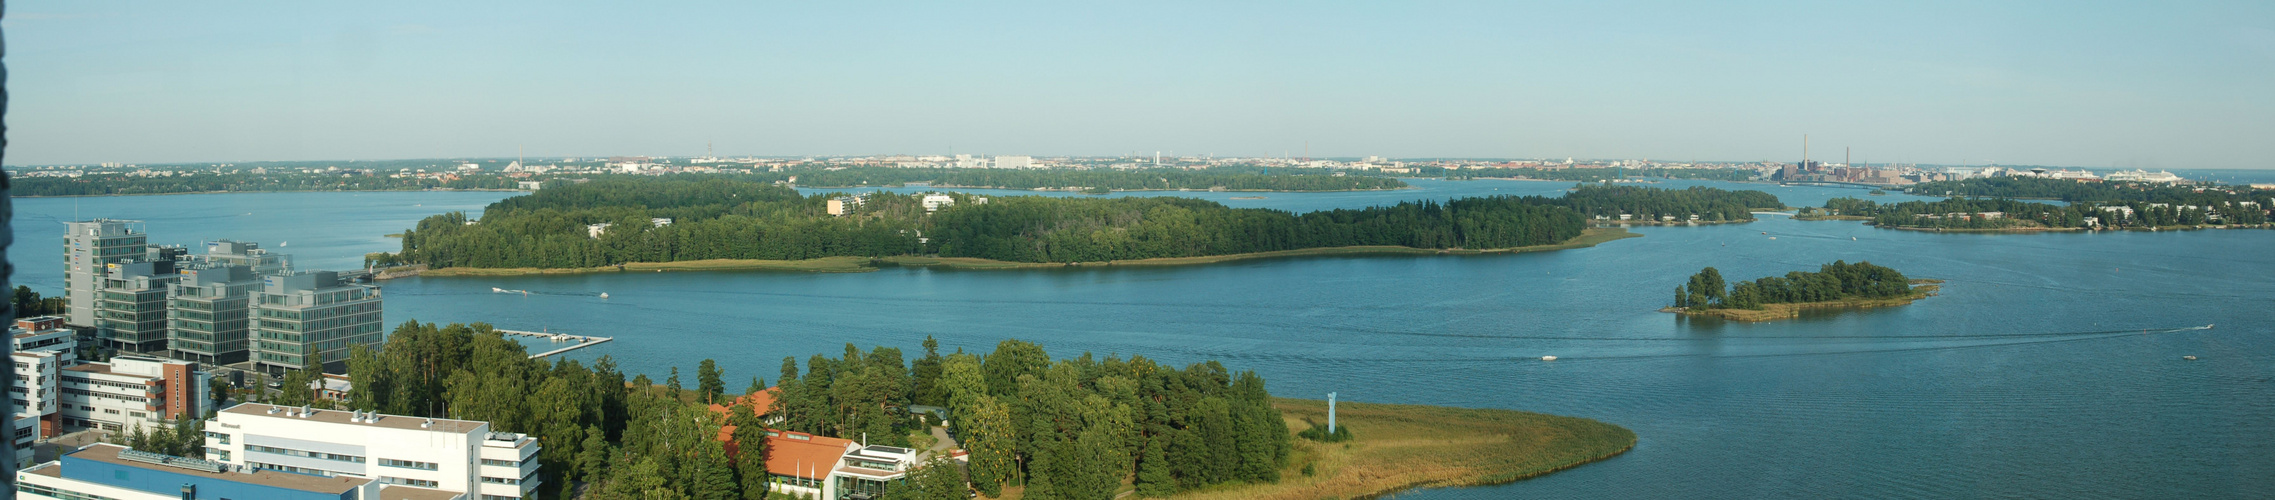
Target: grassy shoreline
{"points": [[1396, 448], [1588, 238], [1772, 312]]}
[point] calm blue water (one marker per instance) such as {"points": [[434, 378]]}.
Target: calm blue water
{"points": [[2048, 368]]}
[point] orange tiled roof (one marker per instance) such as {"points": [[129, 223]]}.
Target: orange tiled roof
{"points": [[760, 400], [804, 455]]}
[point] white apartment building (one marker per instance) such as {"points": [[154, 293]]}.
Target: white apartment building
{"points": [[1014, 162], [431, 453], [131, 391], [42, 347], [935, 202]]}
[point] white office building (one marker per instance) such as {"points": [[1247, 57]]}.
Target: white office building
{"points": [[1014, 161], [431, 453], [130, 392]]}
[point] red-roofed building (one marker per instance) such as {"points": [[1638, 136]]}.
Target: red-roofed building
{"points": [[820, 466]]}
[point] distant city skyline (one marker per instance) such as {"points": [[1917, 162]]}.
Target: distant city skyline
{"points": [[2154, 86]]}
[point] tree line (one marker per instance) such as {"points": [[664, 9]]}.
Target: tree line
{"points": [[726, 218], [1836, 281], [1647, 203], [1590, 174], [1241, 178], [1998, 213], [1073, 428], [1067, 428], [2097, 192], [29, 303]]}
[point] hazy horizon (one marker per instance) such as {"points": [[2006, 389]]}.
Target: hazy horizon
{"points": [[2083, 85]]}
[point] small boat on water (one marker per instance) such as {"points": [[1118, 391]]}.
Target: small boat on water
{"points": [[1547, 358], [498, 290], [2190, 358], [603, 295]]}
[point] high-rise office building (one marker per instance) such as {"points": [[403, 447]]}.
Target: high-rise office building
{"points": [[89, 247], [130, 306], [311, 316], [210, 314]]}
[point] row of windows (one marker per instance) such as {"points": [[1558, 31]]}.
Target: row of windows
{"points": [[291, 469], [407, 464], [422, 483], [501, 463], [223, 438], [115, 385], [301, 453], [44, 490], [86, 393]]}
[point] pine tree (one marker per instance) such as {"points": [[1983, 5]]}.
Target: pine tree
{"points": [[989, 434], [1154, 478], [708, 381], [715, 475]]}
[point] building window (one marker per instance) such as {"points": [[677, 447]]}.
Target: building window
{"points": [[500, 480], [422, 483], [501, 463], [216, 436], [39, 490], [407, 464], [300, 453]]}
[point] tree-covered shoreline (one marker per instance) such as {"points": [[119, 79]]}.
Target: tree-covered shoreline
{"points": [[1975, 213], [1839, 280], [711, 218]]}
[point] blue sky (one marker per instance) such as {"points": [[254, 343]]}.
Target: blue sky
{"points": [[2158, 85]]}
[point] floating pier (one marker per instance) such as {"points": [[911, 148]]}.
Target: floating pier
{"points": [[582, 341]]}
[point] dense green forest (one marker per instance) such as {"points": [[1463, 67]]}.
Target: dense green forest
{"points": [[2098, 192], [1709, 204], [1073, 428], [118, 184], [1592, 174], [1835, 281], [727, 218], [1978, 213], [1228, 177]]}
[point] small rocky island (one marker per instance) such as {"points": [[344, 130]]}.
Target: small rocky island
{"points": [[1839, 285]]}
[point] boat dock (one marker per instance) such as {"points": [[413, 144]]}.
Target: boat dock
{"points": [[582, 341]]}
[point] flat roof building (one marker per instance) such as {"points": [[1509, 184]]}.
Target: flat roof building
{"points": [[129, 392], [210, 314], [311, 317], [130, 308], [88, 246], [430, 453]]}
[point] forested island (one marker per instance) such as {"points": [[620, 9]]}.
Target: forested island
{"points": [[712, 219], [1836, 285], [2107, 192], [1034, 426], [1998, 214]]}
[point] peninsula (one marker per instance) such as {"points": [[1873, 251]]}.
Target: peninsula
{"points": [[1839, 285]]}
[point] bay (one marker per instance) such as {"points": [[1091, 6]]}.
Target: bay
{"points": [[2049, 367]]}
